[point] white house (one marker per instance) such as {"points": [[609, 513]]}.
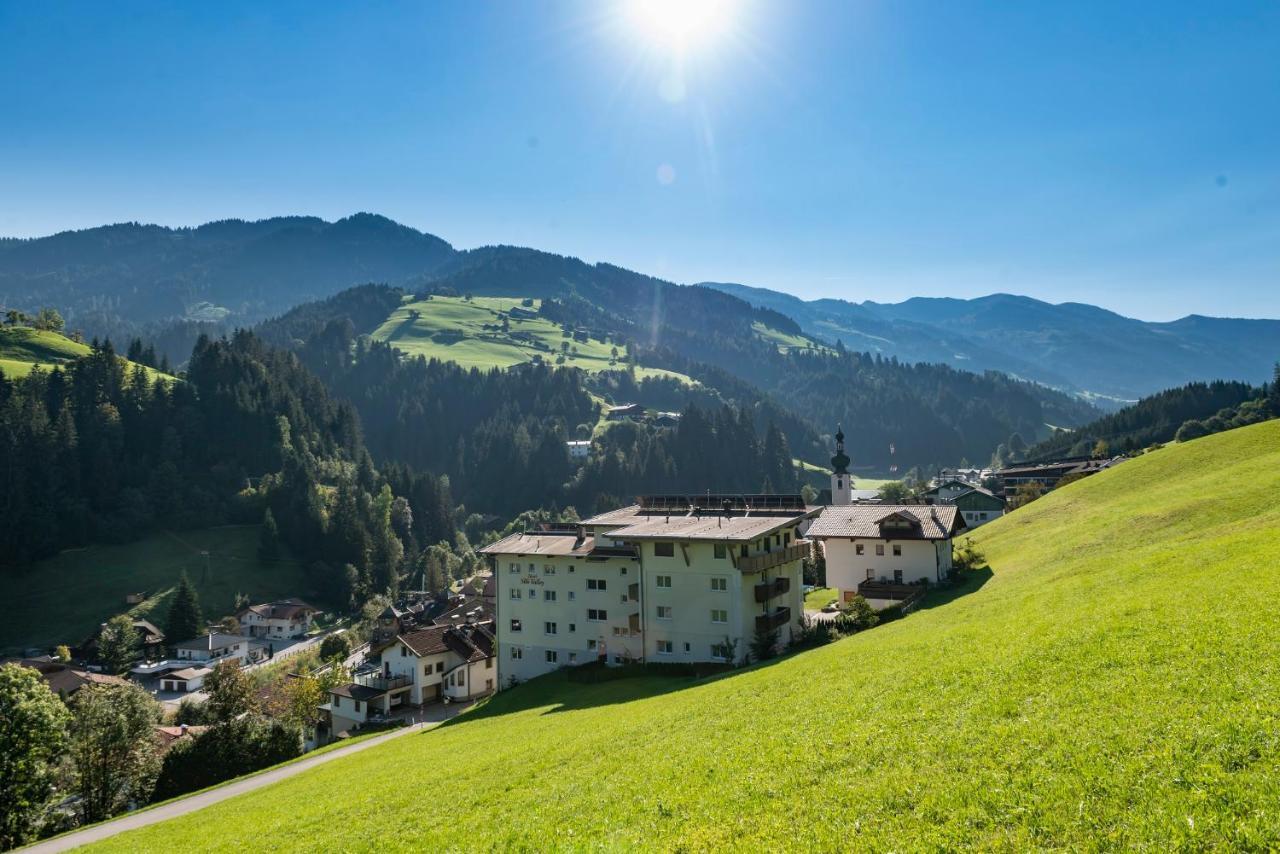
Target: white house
{"points": [[213, 648], [286, 618], [186, 680], [866, 545], [579, 449], [455, 662], [672, 578]]}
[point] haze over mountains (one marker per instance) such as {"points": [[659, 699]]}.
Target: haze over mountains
{"points": [[119, 279]]}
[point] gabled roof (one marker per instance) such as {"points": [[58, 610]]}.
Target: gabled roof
{"points": [[929, 521], [281, 609]]}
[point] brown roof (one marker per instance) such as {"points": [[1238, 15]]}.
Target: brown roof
{"points": [[428, 641], [928, 521], [281, 609], [542, 543], [167, 735], [469, 642], [706, 527]]}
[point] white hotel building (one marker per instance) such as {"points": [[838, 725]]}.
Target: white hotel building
{"points": [[672, 578]]}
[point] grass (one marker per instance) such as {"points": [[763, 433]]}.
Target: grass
{"points": [[64, 598], [787, 342], [1111, 685], [819, 598], [22, 348], [452, 329]]}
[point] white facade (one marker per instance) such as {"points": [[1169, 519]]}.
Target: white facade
{"points": [[579, 449], [276, 621], [565, 601], [853, 561], [211, 649]]}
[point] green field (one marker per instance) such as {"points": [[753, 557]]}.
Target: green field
{"points": [[22, 348], [788, 343], [452, 329], [1110, 683], [64, 598]]}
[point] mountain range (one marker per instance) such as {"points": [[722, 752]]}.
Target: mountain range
{"points": [[129, 278], [1075, 347]]}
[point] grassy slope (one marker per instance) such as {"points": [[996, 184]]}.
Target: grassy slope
{"points": [[22, 348], [64, 598], [487, 348], [1113, 684]]}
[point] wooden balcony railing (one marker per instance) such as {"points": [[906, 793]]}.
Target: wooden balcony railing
{"points": [[774, 620], [772, 589], [768, 560]]}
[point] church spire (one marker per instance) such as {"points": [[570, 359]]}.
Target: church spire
{"points": [[841, 482], [840, 462]]}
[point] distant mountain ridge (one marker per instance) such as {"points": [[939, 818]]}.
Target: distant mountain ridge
{"points": [[1072, 346]]}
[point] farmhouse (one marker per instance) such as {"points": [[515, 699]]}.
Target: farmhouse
{"points": [[150, 639], [63, 679], [671, 578], [873, 548], [286, 618], [629, 410]]}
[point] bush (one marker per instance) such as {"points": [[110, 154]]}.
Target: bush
{"points": [[192, 713], [966, 557], [335, 644], [1192, 429], [856, 616], [227, 750]]}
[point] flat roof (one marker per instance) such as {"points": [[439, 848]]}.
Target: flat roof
{"points": [[706, 527]]}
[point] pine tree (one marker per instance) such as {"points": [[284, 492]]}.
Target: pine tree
{"points": [[269, 539], [185, 621]]}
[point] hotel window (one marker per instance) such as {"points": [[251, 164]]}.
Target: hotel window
{"points": [[549, 595], [664, 612], [549, 628], [859, 548], [664, 647], [664, 549], [591, 644], [720, 551], [517, 653], [548, 569], [595, 584], [515, 568], [662, 581], [880, 549], [897, 550], [719, 584], [515, 625], [551, 656], [719, 615], [515, 592], [597, 615], [573, 627]]}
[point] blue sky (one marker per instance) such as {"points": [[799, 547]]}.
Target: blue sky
{"points": [[1126, 154]]}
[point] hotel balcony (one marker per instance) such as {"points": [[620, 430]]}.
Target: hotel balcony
{"points": [[798, 550], [772, 589], [773, 620]]}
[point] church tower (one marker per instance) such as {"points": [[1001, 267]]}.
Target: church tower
{"points": [[841, 482]]}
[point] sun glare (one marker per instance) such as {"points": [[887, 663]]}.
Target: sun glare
{"points": [[679, 24]]}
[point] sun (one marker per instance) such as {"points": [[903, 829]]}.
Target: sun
{"points": [[680, 24]]}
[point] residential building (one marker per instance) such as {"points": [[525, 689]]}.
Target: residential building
{"points": [[978, 506], [579, 449], [168, 736], [63, 679], [286, 618], [453, 662], [1050, 473], [628, 410], [213, 648], [150, 641], [873, 548], [671, 578], [185, 680]]}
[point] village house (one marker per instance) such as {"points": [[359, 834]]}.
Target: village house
{"points": [[978, 506], [453, 662], [150, 641], [872, 549], [168, 736], [63, 679], [214, 647], [671, 578], [285, 618], [185, 680], [579, 449], [630, 410]]}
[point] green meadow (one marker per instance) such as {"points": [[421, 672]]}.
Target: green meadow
{"points": [[64, 598], [1110, 682], [23, 348], [453, 329]]}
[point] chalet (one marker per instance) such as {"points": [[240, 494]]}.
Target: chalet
{"points": [[150, 640], [666, 419], [871, 549], [421, 666], [630, 410], [519, 313], [285, 618], [945, 491], [671, 578]]}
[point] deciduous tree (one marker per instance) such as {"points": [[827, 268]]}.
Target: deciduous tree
{"points": [[113, 753], [33, 724]]}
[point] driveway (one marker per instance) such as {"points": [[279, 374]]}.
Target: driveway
{"points": [[427, 718]]}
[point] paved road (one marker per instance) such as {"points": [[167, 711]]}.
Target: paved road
{"points": [[429, 717]]}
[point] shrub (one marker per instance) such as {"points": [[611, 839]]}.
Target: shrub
{"points": [[335, 644], [225, 751]]}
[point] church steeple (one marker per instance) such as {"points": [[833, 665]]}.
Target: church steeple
{"points": [[841, 482]]}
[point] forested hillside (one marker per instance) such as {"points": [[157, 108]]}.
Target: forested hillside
{"points": [[1191, 411]]}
